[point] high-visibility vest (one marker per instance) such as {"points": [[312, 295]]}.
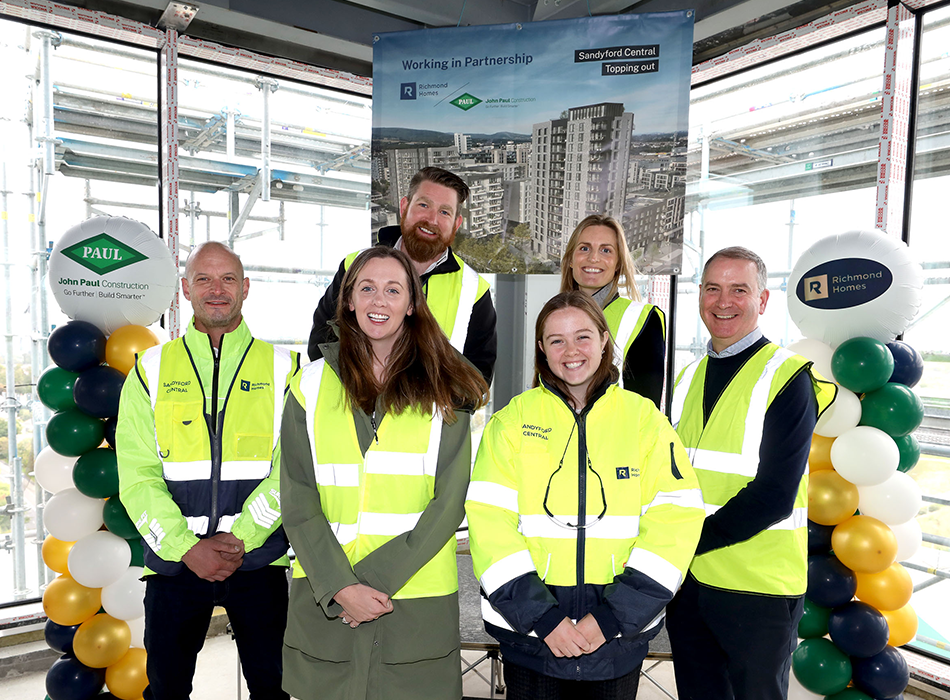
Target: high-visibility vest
{"points": [[210, 476], [625, 320], [510, 532], [725, 455], [370, 500], [451, 298]]}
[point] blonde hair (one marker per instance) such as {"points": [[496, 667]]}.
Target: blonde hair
{"points": [[623, 275]]}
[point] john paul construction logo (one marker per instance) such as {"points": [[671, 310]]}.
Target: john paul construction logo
{"points": [[465, 101], [103, 254]]}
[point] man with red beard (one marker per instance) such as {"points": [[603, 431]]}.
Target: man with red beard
{"points": [[429, 217]]}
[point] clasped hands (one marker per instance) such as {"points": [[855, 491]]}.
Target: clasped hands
{"points": [[362, 603], [215, 558], [568, 639]]}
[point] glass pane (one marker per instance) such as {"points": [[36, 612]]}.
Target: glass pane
{"points": [[102, 160], [779, 156], [930, 241], [319, 187]]}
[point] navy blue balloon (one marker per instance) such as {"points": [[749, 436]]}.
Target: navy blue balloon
{"points": [[69, 679], [830, 583], [908, 364], [110, 431], [819, 538], [96, 391], [857, 629], [77, 346], [884, 675], [60, 637]]}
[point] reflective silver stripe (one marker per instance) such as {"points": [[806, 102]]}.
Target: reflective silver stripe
{"points": [[466, 303], [344, 532], [685, 498], [492, 494], [612, 527], [198, 524], [625, 329], [283, 364], [151, 363], [387, 524], [243, 470], [435, 440], [199, 470], [262, 512], [797, 519], [337, 474], [507, 569], [310, 378], [226, 522], [656, 567], [724, 462], [489, 614], [680, 391]]}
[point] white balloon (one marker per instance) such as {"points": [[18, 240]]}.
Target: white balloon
{"points": [[818, 352], [137, 628], [894, 502], [797, 692], [99, 559], [53, 471], [70, 515], [909, 537], [854, 284], [843, 415], [125, 598], [865, 456]]}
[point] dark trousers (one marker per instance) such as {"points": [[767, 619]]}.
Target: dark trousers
{"points": [[524, 684], [177, 615], [731, 646]]}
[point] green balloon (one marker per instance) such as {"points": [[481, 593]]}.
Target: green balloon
{"points": [[862, 364], [910, 452], [117, 520], [849, 694], [96, 474], [814, 622], [893, 408], [72, 433], [55, 388], [821, 667], [138, 554]]}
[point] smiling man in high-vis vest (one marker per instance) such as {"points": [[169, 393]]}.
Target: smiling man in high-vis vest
{"points": [[745, 413], [459, 298], [198, 422]]}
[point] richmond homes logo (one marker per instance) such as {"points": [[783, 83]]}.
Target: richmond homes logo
{"points": [[465, 102], [103, 254]]}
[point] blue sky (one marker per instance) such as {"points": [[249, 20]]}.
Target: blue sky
{"points": [[659, 100]]}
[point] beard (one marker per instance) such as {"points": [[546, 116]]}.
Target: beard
{"points": [[423, 248]]}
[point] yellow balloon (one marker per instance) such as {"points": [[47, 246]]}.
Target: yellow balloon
{"points": [[55, 553], [864, 544], [101, 640], [819, 456], [126, 678], [66, 602], [902, 624], [831, 498], [124, 342], [890, 589]]}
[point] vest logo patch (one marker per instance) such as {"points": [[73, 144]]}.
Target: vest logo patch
{"points": [[176, 386], [248, 385], [245, 385], [535, 431], [627, 472]]}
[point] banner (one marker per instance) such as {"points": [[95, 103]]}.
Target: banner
{"points": [[547, 122]]}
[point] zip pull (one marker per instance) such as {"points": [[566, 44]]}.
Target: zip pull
{"points": [[372, 421], [675, 469]]}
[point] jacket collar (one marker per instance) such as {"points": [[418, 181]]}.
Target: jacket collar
{"points": [[200, 344]]}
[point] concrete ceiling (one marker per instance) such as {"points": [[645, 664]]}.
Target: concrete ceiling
{"points": [[338, 33]]}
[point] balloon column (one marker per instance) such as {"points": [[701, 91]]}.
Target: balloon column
{"points": [[95, 607], [851, 295]]}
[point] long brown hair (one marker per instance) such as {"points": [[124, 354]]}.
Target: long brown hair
{"points": [[626, 269], [424, 369], [573, 299]]}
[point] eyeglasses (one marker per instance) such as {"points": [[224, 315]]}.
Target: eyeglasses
{"points": [[603, 494]]}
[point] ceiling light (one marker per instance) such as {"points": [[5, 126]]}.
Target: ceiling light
{"points": [[177, 16]]}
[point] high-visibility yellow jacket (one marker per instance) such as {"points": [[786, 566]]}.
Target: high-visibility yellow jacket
{"points": [[543, 471], [194, 441], [725, 454]]}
